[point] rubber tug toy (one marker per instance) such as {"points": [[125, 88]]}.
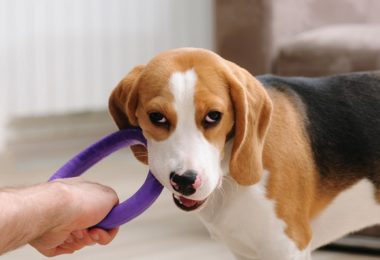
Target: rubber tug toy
{"points": [[139, 201]]}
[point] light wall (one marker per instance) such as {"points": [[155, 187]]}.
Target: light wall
{"points": [[64, 56]]}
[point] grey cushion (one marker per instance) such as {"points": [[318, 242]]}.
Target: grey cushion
{"points": [[330, 50]]}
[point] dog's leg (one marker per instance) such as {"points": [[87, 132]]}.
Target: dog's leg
{"points": [[307, 254], [271, 253]]}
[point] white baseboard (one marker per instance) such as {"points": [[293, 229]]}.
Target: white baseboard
{"points": [[54, 134]]}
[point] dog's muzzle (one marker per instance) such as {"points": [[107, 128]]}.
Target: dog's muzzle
{"points": [[186, 184]]}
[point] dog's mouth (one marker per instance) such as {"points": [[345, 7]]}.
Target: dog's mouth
{"points": [[187, 204]]}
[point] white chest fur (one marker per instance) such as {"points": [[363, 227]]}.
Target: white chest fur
{"points": [[244, 218]]}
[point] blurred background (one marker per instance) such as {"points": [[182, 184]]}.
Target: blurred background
{"points": [[64, 57], [60, 60]]}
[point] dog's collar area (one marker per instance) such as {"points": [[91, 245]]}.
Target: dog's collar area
{"points": [[187, 204]]}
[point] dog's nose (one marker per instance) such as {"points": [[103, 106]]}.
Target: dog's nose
{"points": [[186, 183]]}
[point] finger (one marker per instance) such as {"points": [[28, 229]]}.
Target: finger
{"points": [[56, 251], [77, 234], [105, 237], [70, 239], [67, 246], [73, 246], [102, 236], [60, 251], [113, 232], [82, 237], [77, 240]]}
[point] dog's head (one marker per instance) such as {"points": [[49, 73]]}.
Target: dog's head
{"points": [[189, 103]]}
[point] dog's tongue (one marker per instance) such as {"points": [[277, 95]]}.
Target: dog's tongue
{"points": [[187, 202]]}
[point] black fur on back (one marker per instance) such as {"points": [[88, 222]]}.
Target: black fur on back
{"points": [[343, 121]]}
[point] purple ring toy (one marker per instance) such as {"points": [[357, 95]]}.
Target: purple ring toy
{"points": [[138, 202]]}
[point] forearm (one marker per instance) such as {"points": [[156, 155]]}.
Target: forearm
{"points": [[27, 213]]}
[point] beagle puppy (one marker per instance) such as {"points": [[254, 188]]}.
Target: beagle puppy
{"points": [[274, 166]]}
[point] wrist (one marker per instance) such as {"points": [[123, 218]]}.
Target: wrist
{"points": [[47, 204], [29, 212], [47, 201], [59, 207]]}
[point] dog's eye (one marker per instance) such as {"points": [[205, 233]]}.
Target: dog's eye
{"points": [[158, 118], [212, 118]]}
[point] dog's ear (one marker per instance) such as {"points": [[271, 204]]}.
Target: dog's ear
{"points": [[123, 104], [252, 108]]}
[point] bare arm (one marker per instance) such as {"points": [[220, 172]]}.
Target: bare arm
{"points": [[55, 217]]}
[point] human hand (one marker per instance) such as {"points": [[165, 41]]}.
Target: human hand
{"points": [[82, 205]]}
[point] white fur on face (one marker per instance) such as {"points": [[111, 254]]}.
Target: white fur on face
{"points": [[186, 148]]}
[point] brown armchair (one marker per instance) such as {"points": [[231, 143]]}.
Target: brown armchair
{"points": [[299, 37]]}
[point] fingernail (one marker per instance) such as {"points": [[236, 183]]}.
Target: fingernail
{"points": [[95, 237], [69, 240], [78, 234]]}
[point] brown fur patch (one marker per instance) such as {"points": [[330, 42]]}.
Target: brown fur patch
{"points": [[252, 108], [122, 103], [292, 173], [294, 182], [211, 94]]}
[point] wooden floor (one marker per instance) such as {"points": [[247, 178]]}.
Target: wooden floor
{"points": [[163, 232]]}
